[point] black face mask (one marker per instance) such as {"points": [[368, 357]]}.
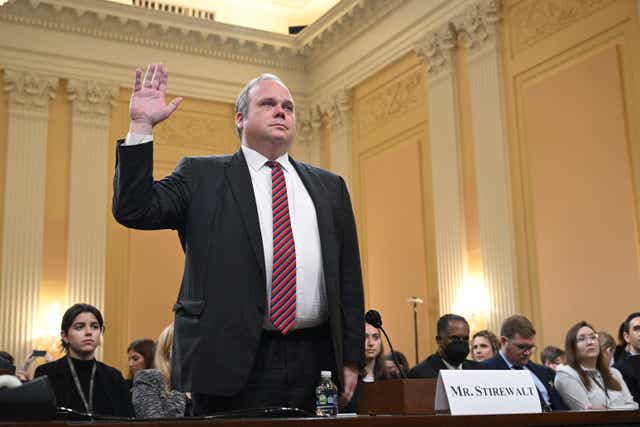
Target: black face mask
{"points": [[456, 352]]}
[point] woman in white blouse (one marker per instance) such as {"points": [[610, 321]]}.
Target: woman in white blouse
{"points": [[586, 382]]}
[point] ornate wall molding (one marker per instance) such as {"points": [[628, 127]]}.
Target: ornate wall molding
{"points": [[309, 134], [91, 99], [478, 26], [437, 50], [534, 20], [392, 101], [28, 89], [118, 22]]}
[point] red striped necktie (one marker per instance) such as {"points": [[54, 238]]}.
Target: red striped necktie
{"points": [[283, 282]]}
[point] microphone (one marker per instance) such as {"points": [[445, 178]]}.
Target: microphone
{"points": [[373, 318]]}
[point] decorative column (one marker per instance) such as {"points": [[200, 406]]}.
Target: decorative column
{"points": [[339, 121], [308, 135], [478, 31], [24, 197], [88, 204], [438, 51], [308, 146]]}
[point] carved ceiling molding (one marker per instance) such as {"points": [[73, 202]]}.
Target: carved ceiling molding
{"points": [[437, 50], [92, 99], [122, 23], [534, 20], [29, 89], [477, 27]]}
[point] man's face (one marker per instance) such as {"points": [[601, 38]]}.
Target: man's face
{"points": [[633, 336], [270, 122], [518, 350], [457, 330]]}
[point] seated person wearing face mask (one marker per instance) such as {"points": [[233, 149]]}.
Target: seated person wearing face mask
{"points": [[453, 348]]}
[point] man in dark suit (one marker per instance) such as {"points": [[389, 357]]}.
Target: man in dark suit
{"points": [[453, 348], [518, 338], [629, 366], [272, 289]]}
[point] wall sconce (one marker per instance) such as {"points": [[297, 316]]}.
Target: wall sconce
{"points": [[472, 302], [47, 332]]}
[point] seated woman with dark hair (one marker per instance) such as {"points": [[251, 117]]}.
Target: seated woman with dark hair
{"points": [[586, 381], [140, 356], [151, 392], [79, 381]]}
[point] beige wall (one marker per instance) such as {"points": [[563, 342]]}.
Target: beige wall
{"points": [[392, 189], [573, 110]]}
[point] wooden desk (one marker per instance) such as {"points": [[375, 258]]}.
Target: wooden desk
{"points": [[591, 418]]}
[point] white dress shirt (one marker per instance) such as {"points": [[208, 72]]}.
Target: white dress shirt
{"points": [[538, 383], [311, 294]]}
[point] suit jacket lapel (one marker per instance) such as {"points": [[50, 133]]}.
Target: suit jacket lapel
{"points": [[324, 216], [237, 173]]}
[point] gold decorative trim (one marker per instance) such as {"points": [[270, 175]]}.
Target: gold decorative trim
{"points": [[534, 20]]}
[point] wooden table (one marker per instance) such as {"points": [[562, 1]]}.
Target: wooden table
{"points": [[582, 418]]}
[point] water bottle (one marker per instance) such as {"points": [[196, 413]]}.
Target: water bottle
{"points": [[326, 396]]}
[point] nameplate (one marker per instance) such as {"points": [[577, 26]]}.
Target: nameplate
{"points": [[479, 392]]}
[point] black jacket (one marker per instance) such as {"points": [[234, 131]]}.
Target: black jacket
{"points": [[111, 395], [222, 299], [431, 366], [630, 368]]}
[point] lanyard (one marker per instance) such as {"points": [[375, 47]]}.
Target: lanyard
{"points": [[595, 380], [88, 406]]}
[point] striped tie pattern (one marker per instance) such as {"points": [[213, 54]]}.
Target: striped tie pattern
{"points": [[283, 283]]}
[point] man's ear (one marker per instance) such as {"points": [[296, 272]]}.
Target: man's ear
{"points": [[626, 337], [239, 120], [503, 341]]}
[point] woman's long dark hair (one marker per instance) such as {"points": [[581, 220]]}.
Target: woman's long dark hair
{"points": [[146, 347], [570, 344]]}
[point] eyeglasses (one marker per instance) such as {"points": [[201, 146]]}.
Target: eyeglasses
{"points": [[531, 348], [586, 338]]}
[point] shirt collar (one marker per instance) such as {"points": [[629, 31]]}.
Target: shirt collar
{"points": [[509, 364], [450, 366], [256, 160]]}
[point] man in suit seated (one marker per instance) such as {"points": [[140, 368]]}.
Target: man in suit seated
{"points": [[630, 366], [453, 348], [518, 340]]}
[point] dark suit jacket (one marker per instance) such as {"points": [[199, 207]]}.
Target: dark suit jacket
{"points": [[544, 374], [431, 366], [222, 299], [629, 366], [111, 395]]}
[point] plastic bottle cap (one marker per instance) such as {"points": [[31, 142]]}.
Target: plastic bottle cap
{"points": [[325, 374]]}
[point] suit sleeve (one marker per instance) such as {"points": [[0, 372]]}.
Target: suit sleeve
{"points": [[352, 296], [142, 203], [572, 391]]}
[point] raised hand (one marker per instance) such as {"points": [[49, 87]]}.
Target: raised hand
{"points": [[147, 107]]}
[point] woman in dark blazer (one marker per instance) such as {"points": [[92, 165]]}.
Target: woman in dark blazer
{"points": [[79, 381]]}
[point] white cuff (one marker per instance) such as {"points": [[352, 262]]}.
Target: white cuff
{"points": [[136, 139]]}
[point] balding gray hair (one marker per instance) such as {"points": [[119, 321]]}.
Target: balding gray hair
{"points": [[242, 102]]}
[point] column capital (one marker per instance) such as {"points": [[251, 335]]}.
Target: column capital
{"points": [[91, 99], [437, 50], [337, 108], [29, 89], [478, 26]]}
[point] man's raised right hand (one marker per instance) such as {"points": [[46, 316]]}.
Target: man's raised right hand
{"points": [[147, 107]]}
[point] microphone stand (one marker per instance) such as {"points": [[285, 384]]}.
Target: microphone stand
{"points": [[393, 354], [415, 301]]}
